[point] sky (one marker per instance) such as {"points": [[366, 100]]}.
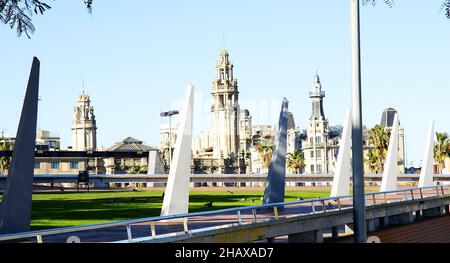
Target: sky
{"points": [[137, 57]]}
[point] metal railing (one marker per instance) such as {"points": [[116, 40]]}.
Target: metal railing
{"points": [[256, 178], [334, 204]]}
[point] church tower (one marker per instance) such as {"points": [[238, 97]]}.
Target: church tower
{"points": [[84, 128], [225, 110], [316, 152]]}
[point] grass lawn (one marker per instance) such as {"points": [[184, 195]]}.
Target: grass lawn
{"points": [[63, 209]]}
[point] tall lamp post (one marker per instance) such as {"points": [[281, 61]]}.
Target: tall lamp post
{"points": [[359, 206], [170, 114]]}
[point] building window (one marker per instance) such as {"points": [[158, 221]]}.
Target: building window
{"points": [[312, 168], [52, 144], [73, 165], [311, 140], [319, 168], [319, 153], [312, 154], [55, 165], [318, 140], [37, 165]]}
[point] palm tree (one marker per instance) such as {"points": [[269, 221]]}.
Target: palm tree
{"points": [[138, 169], [296, 161], [379, 140], [4, 161], [441, 149], [373, 161], [265, 149]]}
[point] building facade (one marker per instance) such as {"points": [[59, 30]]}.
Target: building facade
{"points": [[167, 140], [320, 148], [224, 148], [225, 110], [128, 165], [84, 126], [47, 141]]}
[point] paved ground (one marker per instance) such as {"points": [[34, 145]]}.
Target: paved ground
{"points": [[436, 230], [144, 230]]}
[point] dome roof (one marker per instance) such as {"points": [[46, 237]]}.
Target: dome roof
{"points": [[245, 112]]}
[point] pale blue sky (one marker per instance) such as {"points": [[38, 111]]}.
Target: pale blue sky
{"points": [[136, 58]]}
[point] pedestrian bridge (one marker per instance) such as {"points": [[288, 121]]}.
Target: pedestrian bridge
{"points": [[301, 221]]}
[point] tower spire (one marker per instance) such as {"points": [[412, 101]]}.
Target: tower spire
{"points": [[317, 132], [317, 95]]}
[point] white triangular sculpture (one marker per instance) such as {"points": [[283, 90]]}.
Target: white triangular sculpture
{"points": [[341, 180], [389, 182], [176, 196], [426, 174]]}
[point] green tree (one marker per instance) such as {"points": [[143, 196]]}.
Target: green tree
{"points": [[4, 161], [296, 161], [265, 149], [17, 13], [379, 140], [441, 149], [373, 161], [138, 169], [444, 7]]}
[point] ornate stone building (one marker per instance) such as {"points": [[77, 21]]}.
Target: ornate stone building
{"points": [[245, 130], [84, 127], [126, 165], [224, 147], [225, 110], [320, 149]]}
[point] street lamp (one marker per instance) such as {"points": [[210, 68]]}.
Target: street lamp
{"points": [[359, 206], [170, 114]]}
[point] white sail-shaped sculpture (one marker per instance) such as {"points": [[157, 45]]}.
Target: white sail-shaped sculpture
{"points": [[389, 182], [426, 174], [341, 180], [176, 196]]}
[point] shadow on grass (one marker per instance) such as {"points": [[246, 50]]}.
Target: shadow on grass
{"points": [[81, 209], [222, 198], [95, 209]]}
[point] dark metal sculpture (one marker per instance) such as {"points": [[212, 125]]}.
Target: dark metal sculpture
{"points": [[276, 179], [15, 210]]}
